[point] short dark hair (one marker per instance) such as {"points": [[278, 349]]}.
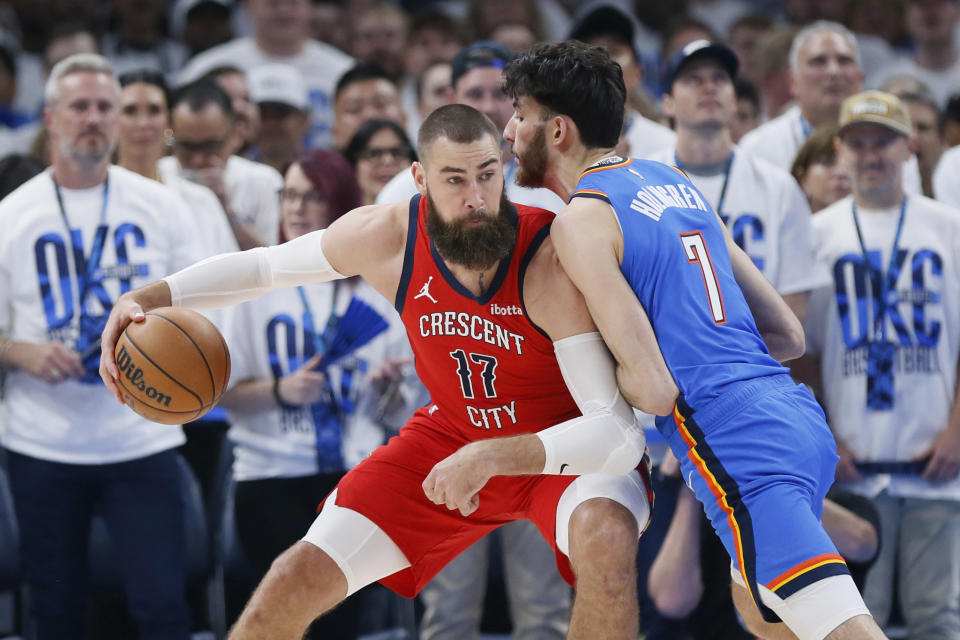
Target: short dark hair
{"points": [[146, 76], [358, 143], [456, 122], [818, 149], [576, 80], [200, 93], [361, 72]]}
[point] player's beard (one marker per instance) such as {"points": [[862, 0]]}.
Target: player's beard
{"points": [[474, 246], [532, 165]]}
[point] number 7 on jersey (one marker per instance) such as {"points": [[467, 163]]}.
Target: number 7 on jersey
{"points": [[696, 251]]}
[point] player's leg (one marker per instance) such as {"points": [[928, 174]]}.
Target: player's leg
{"points": [[342, 552], [599, 520], [812, 612], [539, 597]]}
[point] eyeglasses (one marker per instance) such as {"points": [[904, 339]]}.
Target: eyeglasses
{"points": [[293, 197], [391, 153]]}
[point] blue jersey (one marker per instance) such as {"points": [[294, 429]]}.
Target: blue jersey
{"points": [[675, 259]]}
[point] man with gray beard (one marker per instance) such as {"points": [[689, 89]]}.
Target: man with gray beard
{"points": [[72, 240]]}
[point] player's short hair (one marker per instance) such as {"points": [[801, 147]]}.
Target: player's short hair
{"points": [[200, 93], [456, 122], [575, 80], [77, 63]]}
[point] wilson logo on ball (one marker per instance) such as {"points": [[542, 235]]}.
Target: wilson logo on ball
{"points": [[134, 374]]}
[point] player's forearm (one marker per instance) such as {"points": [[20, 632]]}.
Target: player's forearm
{"points": [[232, 278], [152, 296], [514, 456]]}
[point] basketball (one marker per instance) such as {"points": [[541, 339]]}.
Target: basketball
{"points": [[173, 367]]}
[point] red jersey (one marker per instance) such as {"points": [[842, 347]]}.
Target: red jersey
{"points": [[489, 370]]}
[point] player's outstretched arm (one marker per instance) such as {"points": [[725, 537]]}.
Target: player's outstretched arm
{"points": [[776, 321], [589, 244], [367, 239]]}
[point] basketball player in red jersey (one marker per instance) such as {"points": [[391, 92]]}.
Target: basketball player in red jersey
{"points": [[499, 335]]}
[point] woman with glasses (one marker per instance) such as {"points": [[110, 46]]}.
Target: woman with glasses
{"points": [[144, 138], [297, 423], [821, 177], [379, 150]]}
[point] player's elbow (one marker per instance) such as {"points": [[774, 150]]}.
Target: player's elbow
{"points": [[794, 341], [654, 394]]}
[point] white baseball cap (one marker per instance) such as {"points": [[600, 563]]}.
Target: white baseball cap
{"points": [[278, 83]]}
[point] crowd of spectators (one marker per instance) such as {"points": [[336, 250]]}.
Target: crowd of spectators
{"points": [[242, 123]]}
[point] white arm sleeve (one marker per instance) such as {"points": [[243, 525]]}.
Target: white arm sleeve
{"points": [[230, 278], [607, 438]]}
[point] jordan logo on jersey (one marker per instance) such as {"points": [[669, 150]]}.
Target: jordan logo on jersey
{"points": [[425, 291]]}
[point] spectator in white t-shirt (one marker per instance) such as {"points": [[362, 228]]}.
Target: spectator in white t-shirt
{"points": [[202, 116], [936, 61], [281, 33], [824, 70], [883, 341], [142, 141], [72, 240], [281, 99]]}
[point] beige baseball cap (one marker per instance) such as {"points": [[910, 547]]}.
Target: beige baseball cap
{"points": [[878, 107]]}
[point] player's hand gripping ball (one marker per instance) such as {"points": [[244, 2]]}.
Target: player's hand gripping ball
{"points": [[173, 367]]}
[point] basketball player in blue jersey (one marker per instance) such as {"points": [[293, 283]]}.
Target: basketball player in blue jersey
{"points": [[660, 274]]}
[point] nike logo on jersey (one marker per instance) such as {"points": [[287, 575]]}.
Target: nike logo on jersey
{"points": [[425, 291], [432, 409], [562, 467]]}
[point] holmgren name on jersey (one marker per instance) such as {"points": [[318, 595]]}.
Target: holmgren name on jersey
{"points": [[468, 325], [653, 200]]}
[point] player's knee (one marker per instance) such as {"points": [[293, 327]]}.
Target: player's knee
{"points": [[603, 529], [308, 569]]}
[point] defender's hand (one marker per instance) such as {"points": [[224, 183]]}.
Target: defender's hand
{"points": [[456, 480]]}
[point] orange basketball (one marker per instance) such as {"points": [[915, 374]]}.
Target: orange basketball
{"points": [[173, 367]]}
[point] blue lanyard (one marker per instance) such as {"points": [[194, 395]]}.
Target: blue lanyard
{"points": [[98, 241], [804, 128], [321, 340], [726, 178], [885, 286]]}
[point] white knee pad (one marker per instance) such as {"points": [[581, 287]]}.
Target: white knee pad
{"points": [[815, 611], [628, 490], [360, 548]]}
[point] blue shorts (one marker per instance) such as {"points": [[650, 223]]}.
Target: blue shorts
{"points": [[760, 459]]}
